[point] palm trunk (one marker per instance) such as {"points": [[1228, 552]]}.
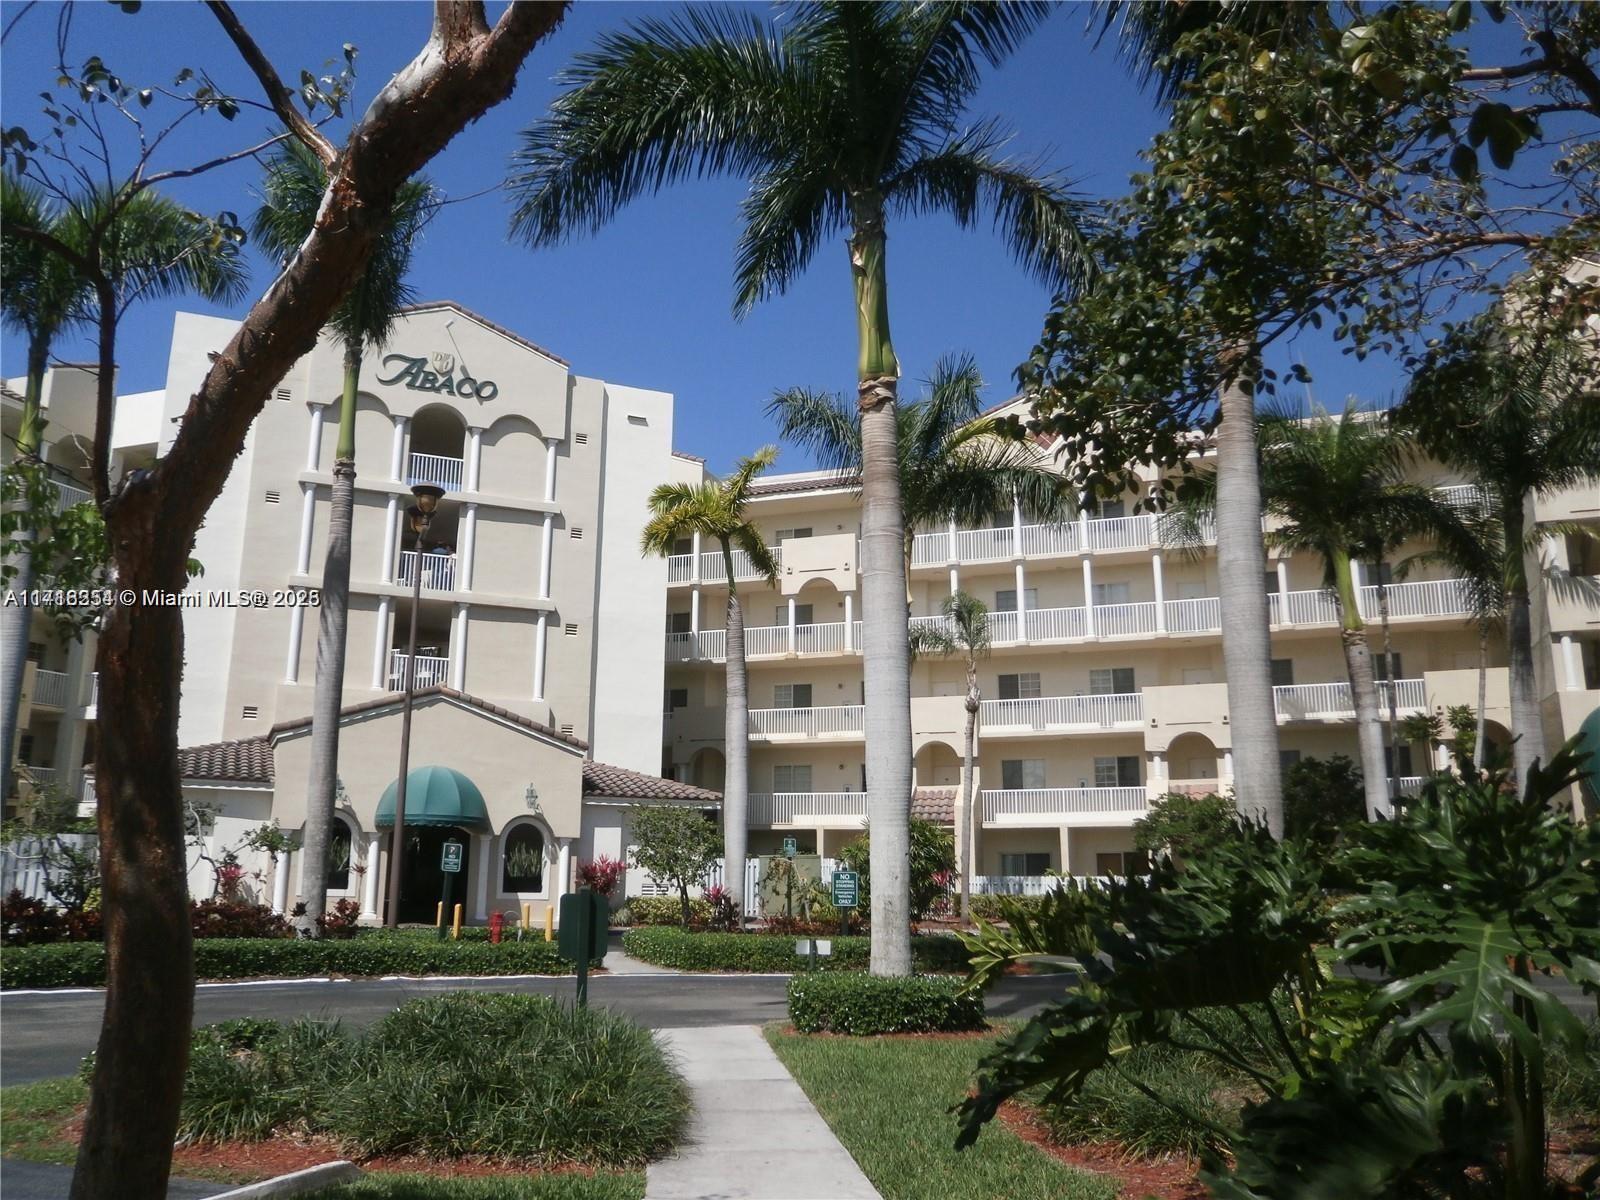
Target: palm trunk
{"points": [[1363, 688], [332, 634], [885, 663], [736, 737], [968, 815], [16, 620], [1478, 747], [1246, 641], [1392, 745], [1526, 727]]}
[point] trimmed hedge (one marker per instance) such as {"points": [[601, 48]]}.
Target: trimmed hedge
{"points": [[82, 964], [665, 910], [865, 1004], [693, 951], [987, 907]]}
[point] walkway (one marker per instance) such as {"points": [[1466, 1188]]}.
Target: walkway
{"points": [[754, 1135]]}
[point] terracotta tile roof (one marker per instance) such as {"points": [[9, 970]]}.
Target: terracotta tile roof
{"points": [[428, 693], [934, 804], [694, 458], [248, 760], [821, 483], [428, 305], [600, 779]]}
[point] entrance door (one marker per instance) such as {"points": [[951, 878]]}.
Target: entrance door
{"points": [[423, 886]]}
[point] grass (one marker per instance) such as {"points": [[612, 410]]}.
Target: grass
{"points": [[33, 1117], [888, 1101], [627, 1185]]}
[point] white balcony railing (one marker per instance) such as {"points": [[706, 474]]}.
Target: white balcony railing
{"points": [[785, 808], [91, 690], [1055, 624], [1200, 615], [432, 669], [1057, 802], [67, 495], [1063, 712], [50, 689], [1030, 885], [1424, 598], [437, 469], [1318, 701], [438, 571], [1067, 537], [844, 720], [1125, 620]]}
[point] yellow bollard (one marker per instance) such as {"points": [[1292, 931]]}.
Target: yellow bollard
{"points": [[527, 916], [438, 916], [549, 923], [455, 929]]}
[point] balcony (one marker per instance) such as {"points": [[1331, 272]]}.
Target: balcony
{"points": [[1051, 714], [50, 689], [845, 721], [431, 670], [681, 567], [91, 693], [437, 469], [438, 571], [788, 808], [67, 495], [39, 777], [1331, 701], [1002, 543], [1024, 806]]}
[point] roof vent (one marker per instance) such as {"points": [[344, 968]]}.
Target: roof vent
{"points": [[576, 533], [581, 438], [274, 497], [572, 631], [283, 394], [567, 729], [636, 419], [251, 712]]}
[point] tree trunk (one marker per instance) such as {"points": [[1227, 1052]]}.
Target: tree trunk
{"points": [[1527, 728], [967, 815], [1390, 741], [332, 637], [1363, 688], [886, 663], [465, 68], [1246, 639], [736, 737], [1478, 747], [16, 620], [1526, 1162]]}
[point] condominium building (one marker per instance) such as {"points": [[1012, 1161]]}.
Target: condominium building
{"points": [[1105, 685]]}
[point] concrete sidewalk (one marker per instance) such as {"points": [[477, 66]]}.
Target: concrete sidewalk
{"points": [[753, 1135]]}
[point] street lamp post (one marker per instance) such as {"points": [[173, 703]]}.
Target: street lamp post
{"points": [[420, 516]]}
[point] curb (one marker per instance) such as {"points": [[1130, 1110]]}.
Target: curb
{"points": [[297, 1183]]}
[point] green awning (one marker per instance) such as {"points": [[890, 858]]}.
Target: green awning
{"points": [[436, 796]]}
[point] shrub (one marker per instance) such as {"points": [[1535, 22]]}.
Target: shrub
{"points": [[723, 914], [665, 910], [1321, 797], [219, 918], [933, 863], [865, 1004], [987, 908], [689, 951], [343, 922], [29, 922], [1185, 826], [602, 875], [249, 1077]]}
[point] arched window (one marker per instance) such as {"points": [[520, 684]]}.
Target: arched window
{"points": [[340, 841], [524, 860]]}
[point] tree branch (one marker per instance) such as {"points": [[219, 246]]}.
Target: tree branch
{"points": [[279, 96]]}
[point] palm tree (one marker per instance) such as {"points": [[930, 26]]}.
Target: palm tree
{"points": [[839, 116], [291, 198], [965, 631], [715, 509], [1522, 421]]}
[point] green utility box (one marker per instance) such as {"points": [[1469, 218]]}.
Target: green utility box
{"points": [[585, 920]]}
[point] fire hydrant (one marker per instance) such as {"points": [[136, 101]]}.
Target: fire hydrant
{"points": [[497, 922]]}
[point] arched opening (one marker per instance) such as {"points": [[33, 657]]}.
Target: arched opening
{"points": [[936, 765], [513, 458], [523, 860], [341, 845], [438, 440], [1194, 767], [425, 878], [708, 769]]}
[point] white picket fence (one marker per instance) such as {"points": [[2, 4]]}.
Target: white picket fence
{"points": [[22, 864], [640, 883]]}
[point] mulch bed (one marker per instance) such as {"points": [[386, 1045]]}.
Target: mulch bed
{"points": [[1167, 1178], [263, 1160], [926, 1036]]}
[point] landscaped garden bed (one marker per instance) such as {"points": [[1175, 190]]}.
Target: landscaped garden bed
{"points": [[693, 950], [866, 1004]]}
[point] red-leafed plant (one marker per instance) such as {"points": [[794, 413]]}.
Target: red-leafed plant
{"points": [[602, 875], [343, 921]]}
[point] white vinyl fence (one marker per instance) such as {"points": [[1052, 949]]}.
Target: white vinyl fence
{"points": [[640, 883], [22, 864]]}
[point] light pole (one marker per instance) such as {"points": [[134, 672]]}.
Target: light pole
{"points": [[420, 516]]}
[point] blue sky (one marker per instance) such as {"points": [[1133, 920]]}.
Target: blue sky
{"points": [[648, 300]]}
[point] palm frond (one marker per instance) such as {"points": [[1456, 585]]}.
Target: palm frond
{"points": [[824, 424], [791, 208], [41, 293], [737, 486]]}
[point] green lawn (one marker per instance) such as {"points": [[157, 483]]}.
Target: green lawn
{"points": [[31, 1117], [887, 1100]]}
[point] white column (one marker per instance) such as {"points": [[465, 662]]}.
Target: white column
{"points": [[550, 445], [1088, 596], [1083, 525], [695, 550], [280, 881], [1161, 593], [694, 612], [391, 533], [950, 549], [1227, 764], [1158, 768], [397, 452], [297, 625], [468, 556], [1022, 603], [369, 881], [538, 656], [474, 457], [484, 853], [955, 579], [1441, 757], [1283, 592], [849, 621], [791, 624], [314, 446], [563, 867], [308, 518], [545, 548], [458, 649], [380, 646], [1569, 653]]}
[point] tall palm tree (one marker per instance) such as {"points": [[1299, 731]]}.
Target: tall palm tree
{"points": [[840, 115], [1522, 420], [965, 632], [716, 509], [292, 195]]}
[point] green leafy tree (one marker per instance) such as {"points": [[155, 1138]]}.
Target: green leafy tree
{"points": [[965, 632], [678, 846], [841, 115], [1185, 826], [716, 510], [292, 193], [1321, 798], [933, 860]]}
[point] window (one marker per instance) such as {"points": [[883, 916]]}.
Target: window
{"points": [[1024, 864], [1401, 753], [791, 695], [1019, 773], [1111, 681], [1111, 593], [677, 698], [1112, 509], [791, 777], [523, 869], [680, 622], [1272, 583], [25, 749], [785, 534], [1120, 770], [1005, 600], [1282, 672], [1371, 573], [339, 842], [1022, 686], [803, 614], [1287, 759], [1380, 672], [1126, 862], [683, 546], [36, 653]]}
